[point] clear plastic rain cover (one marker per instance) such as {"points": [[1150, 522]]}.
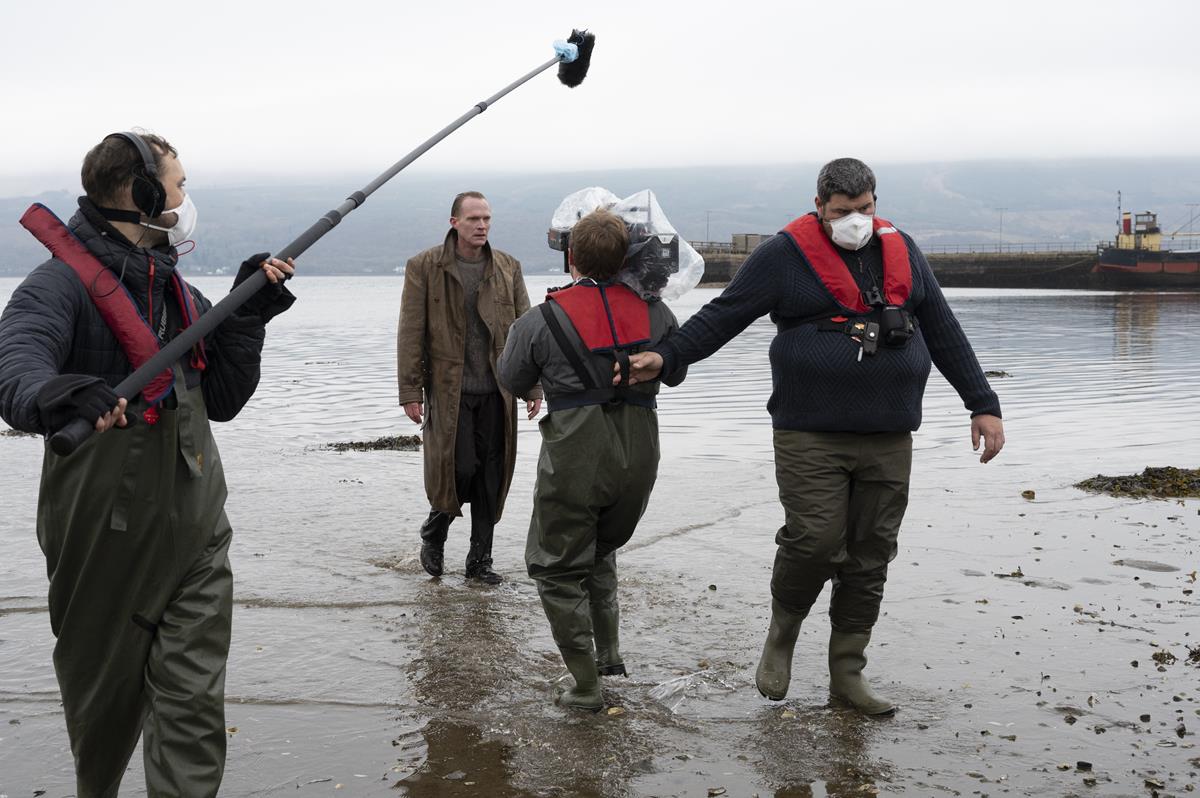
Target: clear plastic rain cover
{"points": [[660, 264]]}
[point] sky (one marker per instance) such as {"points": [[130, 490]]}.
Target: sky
{"points": [[267, 89]]}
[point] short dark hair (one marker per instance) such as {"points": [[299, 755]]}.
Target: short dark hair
{"points": [[109, 167], [848, 176], [456, 207], [598, 244]]}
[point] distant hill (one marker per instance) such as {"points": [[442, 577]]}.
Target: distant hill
{"points": [[939, 203]]}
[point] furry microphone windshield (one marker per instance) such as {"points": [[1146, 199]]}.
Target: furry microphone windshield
{"points": [[572, 73]]}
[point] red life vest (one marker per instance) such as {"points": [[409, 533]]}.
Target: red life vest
{"points": [[117, 308], [607, 317], [831, 270]]}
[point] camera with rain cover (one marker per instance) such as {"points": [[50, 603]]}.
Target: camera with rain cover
{"points": [[658, 263], [651, 257]]}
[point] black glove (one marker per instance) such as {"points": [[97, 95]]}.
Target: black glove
{"points": [[271, 300], [66, 397]]}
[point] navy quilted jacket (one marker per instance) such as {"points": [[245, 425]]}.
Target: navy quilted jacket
{"points": [[51, 327], [819, 385]]}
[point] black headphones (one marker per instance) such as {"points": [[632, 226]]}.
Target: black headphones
{"points": [[148, 193]]}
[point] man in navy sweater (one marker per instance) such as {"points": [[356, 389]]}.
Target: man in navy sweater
{"points": [[860, 318]]}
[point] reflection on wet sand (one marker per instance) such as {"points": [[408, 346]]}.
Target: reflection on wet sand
{"points": [[452, 759], [461, 639], [486, 694], [805, 747]]}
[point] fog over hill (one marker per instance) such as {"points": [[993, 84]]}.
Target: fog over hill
{"points": [[938, 203]]}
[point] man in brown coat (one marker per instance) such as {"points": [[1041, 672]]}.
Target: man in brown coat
{"points": [[459, 301]]}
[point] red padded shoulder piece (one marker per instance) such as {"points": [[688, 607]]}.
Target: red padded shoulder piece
{"points": [[605, 316], [831, 270], [116, 307]]}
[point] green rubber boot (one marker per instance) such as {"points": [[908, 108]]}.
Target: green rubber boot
{"points": [[846, 682], [775, 667], [608, 654], [586, 692], [606, 616]]}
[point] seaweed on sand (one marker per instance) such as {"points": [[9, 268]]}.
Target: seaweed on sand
{"points": [[1167, 482], [388, 443]]}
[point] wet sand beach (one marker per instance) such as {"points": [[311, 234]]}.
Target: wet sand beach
{"points": [[1036, 646]]}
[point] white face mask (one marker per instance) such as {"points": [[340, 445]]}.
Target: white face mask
{"points": [[852, 231], [184, 225]]}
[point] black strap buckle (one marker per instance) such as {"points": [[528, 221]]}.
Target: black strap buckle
{"points": [[872, 297]]}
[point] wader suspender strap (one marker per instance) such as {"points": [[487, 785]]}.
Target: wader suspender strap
{"points": [[564, 344], [592, 394], [622, 358]]}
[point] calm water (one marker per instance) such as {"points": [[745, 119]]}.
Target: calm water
{"points": [[350, 667]]}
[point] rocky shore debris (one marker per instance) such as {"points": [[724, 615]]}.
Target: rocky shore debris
{"points": [[388, 443], [1167, 482], [16, 433]]}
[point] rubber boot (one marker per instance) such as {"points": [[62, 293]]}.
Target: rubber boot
{"points": [[606, 616], [586, 692], [604, 626], [846, 682], [775, 667]]}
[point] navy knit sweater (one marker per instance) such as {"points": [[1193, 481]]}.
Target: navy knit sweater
{"points": [[819, 385]]}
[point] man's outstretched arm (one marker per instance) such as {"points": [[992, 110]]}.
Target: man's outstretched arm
{"points": [[753, 293]]}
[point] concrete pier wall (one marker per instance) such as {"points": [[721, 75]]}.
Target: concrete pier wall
{"points": [[720, 267], [1004, 270], [964, 270]]}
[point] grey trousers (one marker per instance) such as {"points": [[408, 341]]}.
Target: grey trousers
{"points": [[844, 495]]}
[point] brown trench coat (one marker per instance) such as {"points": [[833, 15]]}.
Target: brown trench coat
{"points": [[429, 355]]}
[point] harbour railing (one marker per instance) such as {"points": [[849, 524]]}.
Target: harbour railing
{"points": [[1005, 249], [1015, 248], [715, 246]]}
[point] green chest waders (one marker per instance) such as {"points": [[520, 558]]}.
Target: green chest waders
{"points": [[596, 469], [136, 541]]}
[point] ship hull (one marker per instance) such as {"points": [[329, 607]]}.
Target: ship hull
{"points": [[1144, 262]]}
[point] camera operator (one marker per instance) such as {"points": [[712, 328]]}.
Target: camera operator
{"points": [[599, 456]]}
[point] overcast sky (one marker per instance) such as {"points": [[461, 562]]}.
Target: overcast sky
{"points": [[300, 88]]}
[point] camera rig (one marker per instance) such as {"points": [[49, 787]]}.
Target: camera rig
{"points": [[651, 258]]}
